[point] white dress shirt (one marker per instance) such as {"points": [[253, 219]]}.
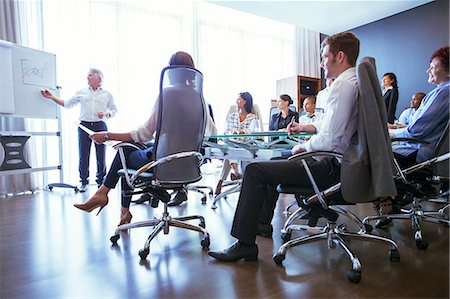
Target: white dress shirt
{"points": [[340, 120], [309, 119], [91, 102], [322, 98]]}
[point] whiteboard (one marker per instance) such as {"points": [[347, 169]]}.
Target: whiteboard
{"points": [[32, 71]]}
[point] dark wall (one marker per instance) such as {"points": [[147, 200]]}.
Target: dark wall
{"points": [[403, 44]]}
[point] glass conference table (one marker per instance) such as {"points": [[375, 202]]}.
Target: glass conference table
{"points": [[246, 148]]}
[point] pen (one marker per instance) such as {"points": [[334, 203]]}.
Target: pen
{"points": [[290, 124]]}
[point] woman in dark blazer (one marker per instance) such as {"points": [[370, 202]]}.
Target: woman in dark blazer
{"points": [[390, 95], [281, 120]]}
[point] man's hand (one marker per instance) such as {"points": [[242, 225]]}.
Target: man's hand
{"points": [[297, 149], [294, 128], [46, 94], [100, 114]]}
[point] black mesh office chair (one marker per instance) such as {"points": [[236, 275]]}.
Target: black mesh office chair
{"points": [[424, 182], [356, 182], [179, 136]]}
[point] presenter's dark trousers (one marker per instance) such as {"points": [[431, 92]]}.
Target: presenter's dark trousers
{"points": [[84, 149], [258, 195]]}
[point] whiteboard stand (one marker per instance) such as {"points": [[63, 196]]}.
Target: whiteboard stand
{"points": [[60, 153]]}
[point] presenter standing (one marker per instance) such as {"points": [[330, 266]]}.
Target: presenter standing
{"points": [[96, 104]]}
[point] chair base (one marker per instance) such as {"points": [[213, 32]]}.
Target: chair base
{"points": [[416, 215], [335, 235], [162, 225], [236, 187], [198, 189]]}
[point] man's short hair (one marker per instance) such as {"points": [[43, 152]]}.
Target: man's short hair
{"points": [[98, 73], [311, 98], [346, 42]]}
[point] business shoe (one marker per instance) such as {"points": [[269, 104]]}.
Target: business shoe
{"points": [[82, 188], [265, 230], [93, 203], [125, 218], [236, 252], [178, 199]]}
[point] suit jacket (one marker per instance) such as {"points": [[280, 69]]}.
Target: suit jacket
{"points": [[391, 98], [274, 123], [367, 171]]}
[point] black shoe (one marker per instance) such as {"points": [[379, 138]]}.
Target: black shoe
{"points": [[82, 188], [380, 223], [236, 252], [178, 199], [265, 230]]}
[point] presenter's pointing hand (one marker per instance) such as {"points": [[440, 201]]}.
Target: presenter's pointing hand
{"points": [[46, 94]]}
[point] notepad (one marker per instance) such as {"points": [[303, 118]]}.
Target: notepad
{"points": [[90, 132]]}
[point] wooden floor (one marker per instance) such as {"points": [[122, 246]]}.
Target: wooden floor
{"points": [[49, 249]]}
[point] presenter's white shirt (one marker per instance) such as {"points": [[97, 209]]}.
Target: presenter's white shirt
{"points": [[341, 116], [91, 102]]}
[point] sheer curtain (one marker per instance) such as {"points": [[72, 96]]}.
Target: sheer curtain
{"points": [[12, 30], [131, 41]]}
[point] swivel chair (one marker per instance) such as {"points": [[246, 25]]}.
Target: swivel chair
{"points": [[176, 151], [359, 181], [416, 185]]}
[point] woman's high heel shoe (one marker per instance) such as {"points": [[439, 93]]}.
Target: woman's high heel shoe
{"points": [[92, 204], [126, 218], [218, 187]]}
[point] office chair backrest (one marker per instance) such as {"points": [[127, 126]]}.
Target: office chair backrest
{"points": [[442, 147], [367, 171], [275, 110], [181, 124]]}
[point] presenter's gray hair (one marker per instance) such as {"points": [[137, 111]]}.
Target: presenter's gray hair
{"points": [[98, 73]]}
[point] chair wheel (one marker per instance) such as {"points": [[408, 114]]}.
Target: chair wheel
{"points": [[369, 228], [354, 276], [394, 255], [211, 193], [279, 258], [202, 224], [50, 188], [205, 243], [75, 189], [143, 253], [285, 237], [421, 244], [203, 200], [114, 239]]}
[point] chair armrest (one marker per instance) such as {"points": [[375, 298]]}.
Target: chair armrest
{"points": [[319, 195], [305, 155], [165, 159], [138, 146], [410, 140]]}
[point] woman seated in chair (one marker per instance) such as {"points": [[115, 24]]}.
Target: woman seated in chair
{"points": [[135, 158], [279, 121], [243, 121]]}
